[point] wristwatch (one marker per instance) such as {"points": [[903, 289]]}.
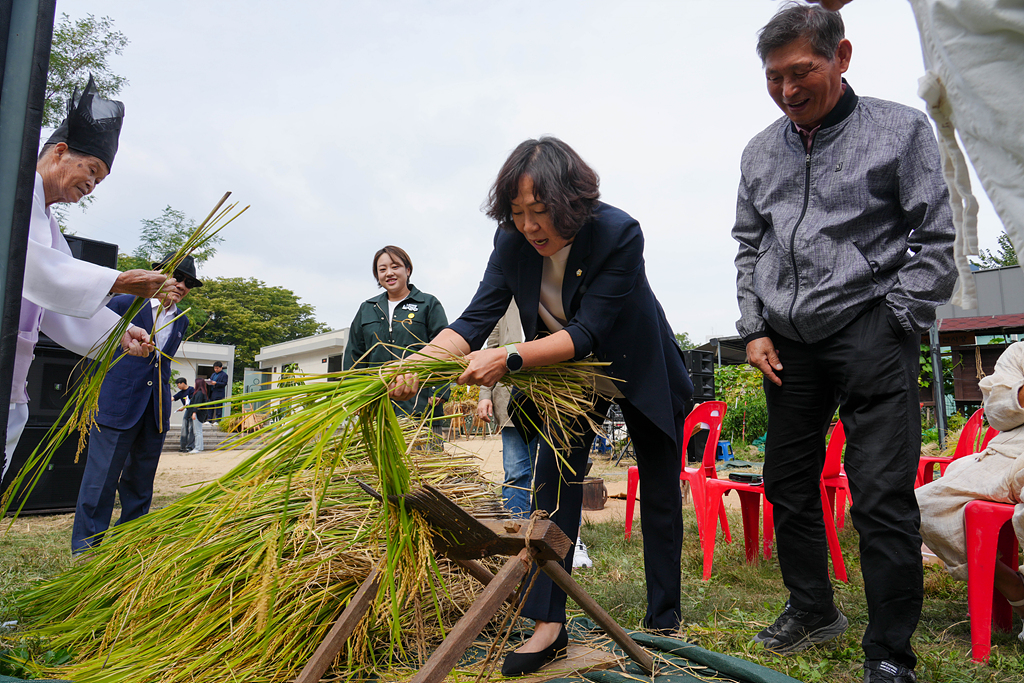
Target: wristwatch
{"points": [[513, 361]]}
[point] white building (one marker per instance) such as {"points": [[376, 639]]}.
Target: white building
{"points": [[196, 359], [313, 355]]}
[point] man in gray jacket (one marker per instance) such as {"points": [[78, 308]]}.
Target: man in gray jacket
{"points": [[846, 248]]}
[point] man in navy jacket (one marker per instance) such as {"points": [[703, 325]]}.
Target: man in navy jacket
{"points": [[133, 418]]}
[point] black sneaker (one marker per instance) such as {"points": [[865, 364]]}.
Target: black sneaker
{"points": [[887, 672], [796, 630]]}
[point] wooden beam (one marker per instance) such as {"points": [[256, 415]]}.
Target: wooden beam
{"points": [[335, 639], [564, 581], [548, 541], [473, 621]]}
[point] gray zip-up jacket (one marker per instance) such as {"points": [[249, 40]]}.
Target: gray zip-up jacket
{"points": [[825, 234]]}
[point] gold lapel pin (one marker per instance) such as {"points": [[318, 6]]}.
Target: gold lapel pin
{"points": [[579, 273]]}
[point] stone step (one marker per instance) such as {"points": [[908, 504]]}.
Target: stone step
{"points": [[212, 438]]}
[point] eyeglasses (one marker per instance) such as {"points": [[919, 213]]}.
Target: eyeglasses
{"points": [[188, 280]]}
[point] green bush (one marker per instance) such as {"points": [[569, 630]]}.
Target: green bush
{"points": [[746, 415]]}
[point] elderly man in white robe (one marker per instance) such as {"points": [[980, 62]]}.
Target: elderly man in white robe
{"points": [[63, 297], [995, 474]]}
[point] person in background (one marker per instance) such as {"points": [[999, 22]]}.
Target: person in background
{"points": [[845, 249], [133, 417], [996, 474], [516, 456], [184, 395], [198, 415], [217, 385], [575, 267], [64, 297], [396, 323]]}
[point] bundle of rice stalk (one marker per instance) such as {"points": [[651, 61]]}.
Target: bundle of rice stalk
{"points": [[83, 405], [242, 578]]}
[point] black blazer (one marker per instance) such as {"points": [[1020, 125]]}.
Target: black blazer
{"points": [[133, 381], [612, 311]]}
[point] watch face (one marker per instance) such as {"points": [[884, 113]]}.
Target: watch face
{"points": [[514, 362]]}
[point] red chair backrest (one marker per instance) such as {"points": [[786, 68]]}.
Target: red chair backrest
{"points": [[710, 413], [968, 442], [834, 452], [992, 431]]}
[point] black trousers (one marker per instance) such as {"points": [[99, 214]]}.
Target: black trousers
{"points": [[558, 491], [870, 371]]}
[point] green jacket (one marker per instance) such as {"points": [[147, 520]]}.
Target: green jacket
{"points": [[417, 320]]}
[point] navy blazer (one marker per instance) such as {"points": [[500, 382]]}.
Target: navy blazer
{"points": [[132, 381], [612, 312]]}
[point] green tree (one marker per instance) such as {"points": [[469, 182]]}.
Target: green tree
{"points": [[249, 314], [166, 233], [684, 341], [80, 48], [1006, 256], [162, 235]]}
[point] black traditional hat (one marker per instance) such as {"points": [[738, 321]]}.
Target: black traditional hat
{"points": [[185, 272], [92, 126]]}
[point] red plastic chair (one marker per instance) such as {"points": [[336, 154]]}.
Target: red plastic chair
{"points": [[833, 476], [989, 536], [965, 445], [750, 497], [711, 413]]}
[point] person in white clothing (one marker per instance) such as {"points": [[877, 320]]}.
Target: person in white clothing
{"points": [[995, 474], [63, 297]]}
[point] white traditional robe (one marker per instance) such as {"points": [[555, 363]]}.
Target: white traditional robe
{"points": [[63, 297], [974, 53]]}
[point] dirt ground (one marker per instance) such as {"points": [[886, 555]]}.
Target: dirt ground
{"points": [[180, 472]]}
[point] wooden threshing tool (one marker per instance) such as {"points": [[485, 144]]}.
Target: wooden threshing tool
{"points": [[466, 539]]}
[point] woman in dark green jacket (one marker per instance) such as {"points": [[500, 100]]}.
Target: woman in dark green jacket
{"points": [[402, 317]]}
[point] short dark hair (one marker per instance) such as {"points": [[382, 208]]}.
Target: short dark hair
{"points": [[396, 253], [823, 28], [561, 179], [218, 364], [181, 380]]}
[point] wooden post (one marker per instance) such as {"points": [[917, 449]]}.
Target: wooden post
{"points": [[473, 621], [564, 581], [342, 629]]}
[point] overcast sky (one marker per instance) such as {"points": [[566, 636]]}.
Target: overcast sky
{"points": [[351, 125]]}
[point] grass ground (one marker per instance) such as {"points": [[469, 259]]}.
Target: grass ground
{"points": [[722, 614]]}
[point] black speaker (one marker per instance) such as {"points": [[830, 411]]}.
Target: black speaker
{"points": [[93, 251], [699, 362], [703, 387], [701, 366], [56, 491], [50, 378]]}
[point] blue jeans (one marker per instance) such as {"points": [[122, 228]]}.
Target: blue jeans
{"points": [[517, 459]]}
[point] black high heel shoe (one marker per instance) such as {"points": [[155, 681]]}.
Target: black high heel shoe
{"points": [[519, 663]]}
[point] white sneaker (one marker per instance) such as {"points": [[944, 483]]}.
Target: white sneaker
{"points": [[581, 558], [195, 450]]}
